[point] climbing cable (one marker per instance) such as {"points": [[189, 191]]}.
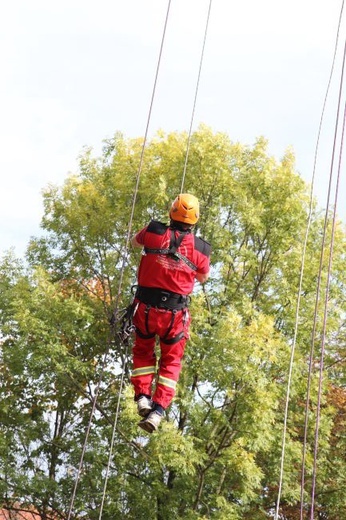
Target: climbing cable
{"points": [[136, 189], [115, 312], [301, 276], [314, 327], [133, 207], [195, 98], [313, 334], [126, 248], [302, 485], [330, 260]]}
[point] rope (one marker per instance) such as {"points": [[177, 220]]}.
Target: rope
{"points": [[133, 208], [312, 348], [126, 247], [301, 276], [122, 269], [195, 98], [313, 334], [112, 442], [132, 213], [327, 288], [94, 401]]}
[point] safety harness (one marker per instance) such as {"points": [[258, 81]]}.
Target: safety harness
{"points": [[153, 297], [172, 251], [160, 298]]}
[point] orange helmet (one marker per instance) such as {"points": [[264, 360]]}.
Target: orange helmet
{"points": [[185, 208]]}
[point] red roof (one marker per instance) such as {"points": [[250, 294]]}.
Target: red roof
{"points": [[6, 514]]}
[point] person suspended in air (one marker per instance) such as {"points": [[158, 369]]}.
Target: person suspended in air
{"points": [[173, 258]]}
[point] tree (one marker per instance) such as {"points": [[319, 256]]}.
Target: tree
{"points": [[218, 454]]}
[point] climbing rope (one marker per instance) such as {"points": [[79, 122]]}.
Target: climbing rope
{"points": [[195, 99], [302, 486], [301, 277], [115, 312], [126, 247], [136, 188], [133, 205], [313, 334], [123, 268], [325, 313]]}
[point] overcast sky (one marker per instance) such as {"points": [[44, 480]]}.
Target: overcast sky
{"points": [[75, 72]]}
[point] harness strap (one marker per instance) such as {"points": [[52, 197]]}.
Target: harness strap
{"points": [[172, 251], [176, 338], [156, 297], [170, 341], [175, 256], [180, 334], [144, 336], [141, 334], [170, 325], [175, 241]]}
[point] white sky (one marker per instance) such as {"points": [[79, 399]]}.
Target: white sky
{"points": [[74, 72]]}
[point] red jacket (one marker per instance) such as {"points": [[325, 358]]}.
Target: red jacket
{"points": [[165, 272]]}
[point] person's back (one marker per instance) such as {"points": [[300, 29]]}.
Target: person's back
{"points": [[177, 271], [173, 257]]}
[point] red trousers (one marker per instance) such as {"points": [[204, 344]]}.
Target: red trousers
{"points": [[169, 326]]}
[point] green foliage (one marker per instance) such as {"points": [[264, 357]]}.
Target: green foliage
{"points": [[218, 452]]}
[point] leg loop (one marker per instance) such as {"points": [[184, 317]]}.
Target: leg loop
{"points": [[174, 312]]}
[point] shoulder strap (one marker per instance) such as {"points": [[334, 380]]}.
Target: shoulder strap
{"points": [[172, 251], [202, 246], [156, 227], [175, 241]]}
